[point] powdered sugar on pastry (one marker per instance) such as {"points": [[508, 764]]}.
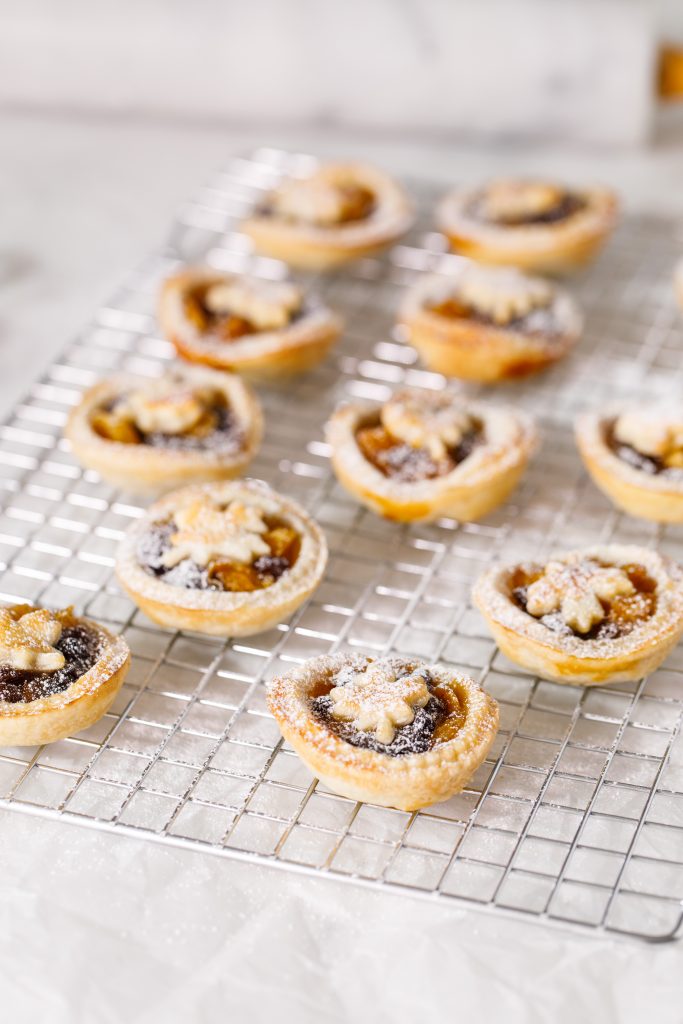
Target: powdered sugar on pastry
{"points": [[380, 698], [267, 305], [424, 419], [207, 532], [27, 642]]}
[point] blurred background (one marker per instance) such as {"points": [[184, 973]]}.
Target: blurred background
{"points": [[113, 111]]}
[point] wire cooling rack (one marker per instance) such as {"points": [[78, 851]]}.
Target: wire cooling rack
{"points": [[577, 816]]}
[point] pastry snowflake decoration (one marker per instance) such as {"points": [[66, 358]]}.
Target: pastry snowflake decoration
{"points": [[206, 532], [576, 591], [28, 643], [509, 200], [268, 305], [380, 698], [652, 432], [431, 420], [314, 200], [503, 295]]}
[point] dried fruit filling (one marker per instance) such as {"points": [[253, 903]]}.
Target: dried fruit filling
{"points": [[672, 466], [438, 721], [81, 648], [566, 207], [236, 577], [622, 614], [217, 428], [406, 464], [226, 325]]}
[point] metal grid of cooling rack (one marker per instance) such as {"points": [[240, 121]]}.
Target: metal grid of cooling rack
{"points": [[577, 816]]}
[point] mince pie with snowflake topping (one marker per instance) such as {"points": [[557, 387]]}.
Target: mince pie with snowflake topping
{"points": [[426, 454], [58, 673], [391, 731], [230, 559], [145, 435], [259, 328], [535, 225], [605, 614], [636, 457], [337, 214], [489, 323]]}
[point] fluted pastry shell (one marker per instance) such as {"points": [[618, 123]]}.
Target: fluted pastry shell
{"points": [[471, 350], [409, 781], [315, 247], [51, 718], [470, 491], [557, 247], [146, 469], [299, 346], [223, 613], [590, 662], [649, 496]]}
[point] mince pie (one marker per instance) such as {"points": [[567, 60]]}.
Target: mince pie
{"points": [[337, 214], [228, 559], [58, 673], [606, 614], [259, 328], [535, 225], [190, 424], [636, 457], [393, 731], [489, 323], [425, 454]]}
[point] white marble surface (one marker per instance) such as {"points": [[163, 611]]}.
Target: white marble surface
{"points": [[99, 928], [581, 69]]}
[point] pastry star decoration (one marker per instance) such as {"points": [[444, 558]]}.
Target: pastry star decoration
{"points": [[431, 421], [503, 295], [576, 591], [207, 532], [380, 699], [508, 200], [651, 432], [314, 200], [166, 406], [268, 305], [27, 642]]}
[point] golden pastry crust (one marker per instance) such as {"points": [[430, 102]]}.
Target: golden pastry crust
{"points": [[294, 348], [409, 781], [465, 347], [51, 718], [217, 612], [321, 247], [559, 246], [146, 469], [590, 662], [470, 491], [658, 497]]}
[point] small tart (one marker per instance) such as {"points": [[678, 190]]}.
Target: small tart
{"points": [[606, 614], [489, 323], [229, 559], [58, 674], [337, 214], [393, 731], [146, 435], [635, 456], [260, 328], [423, 454], [535, 225]]}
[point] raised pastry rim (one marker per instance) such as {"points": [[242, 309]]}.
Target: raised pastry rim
{"points": [[223, 613], [409, 781], [296, 347], [462, 347], [308, 244], [568, 659], [146, 468], [81, 704], [474, 486]]}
